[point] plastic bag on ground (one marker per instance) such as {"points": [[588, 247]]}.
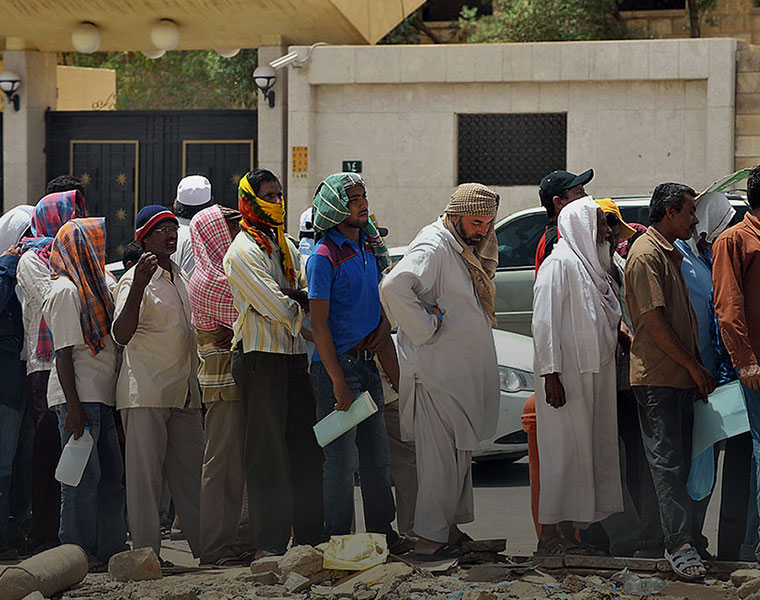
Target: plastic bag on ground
{"points": [[356, 552]]}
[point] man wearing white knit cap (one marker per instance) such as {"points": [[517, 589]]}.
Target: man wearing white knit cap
{"points": [[193, 195]]}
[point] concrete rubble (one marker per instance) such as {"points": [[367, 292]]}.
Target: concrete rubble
{"points": [[134, 565], [299, 575]]}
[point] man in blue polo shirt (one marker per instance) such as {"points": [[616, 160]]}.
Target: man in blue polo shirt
{"points": [[348, 327]]}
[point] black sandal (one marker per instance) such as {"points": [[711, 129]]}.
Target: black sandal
{"points": [[443, 552]]}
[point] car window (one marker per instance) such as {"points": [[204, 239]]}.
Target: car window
{"points": [[518, 240], [635, 214]]}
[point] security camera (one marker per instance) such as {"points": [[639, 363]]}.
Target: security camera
{"points": [[284, 61]]}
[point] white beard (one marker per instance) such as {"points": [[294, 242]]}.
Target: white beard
{"points": [[605, 258]]}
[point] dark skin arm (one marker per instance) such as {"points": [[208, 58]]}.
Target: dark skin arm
{"points": [[75, 420], [320, 309], [125, 325], [663, 336], [555, 391], [381, 343], [224, 338]]}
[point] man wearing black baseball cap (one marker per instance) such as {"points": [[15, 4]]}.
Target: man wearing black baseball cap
{"points": [[558, 189]]}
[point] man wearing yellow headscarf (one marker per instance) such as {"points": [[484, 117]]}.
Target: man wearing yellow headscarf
{"points": [[283, 464]]}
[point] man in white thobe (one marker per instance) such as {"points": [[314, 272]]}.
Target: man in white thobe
{"points": [[441, 296], [575, 325]]}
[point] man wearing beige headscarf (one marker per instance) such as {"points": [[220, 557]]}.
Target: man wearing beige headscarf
{"points": [[441, 295]]}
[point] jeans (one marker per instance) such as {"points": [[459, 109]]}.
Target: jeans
{"points": [[752, 398], [666, 416], [92, 513], [16, 439], [365, 448]]}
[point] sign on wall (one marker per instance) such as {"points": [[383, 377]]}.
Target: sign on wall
{"points": [[352, 166]]}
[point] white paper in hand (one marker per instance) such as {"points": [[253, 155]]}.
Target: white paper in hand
{"points": [[339, 422]]}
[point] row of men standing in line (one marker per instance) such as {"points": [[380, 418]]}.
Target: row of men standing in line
{"points": [[664, 295], [247, 314]]}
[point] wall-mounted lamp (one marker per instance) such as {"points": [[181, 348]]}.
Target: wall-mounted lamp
{"points": [[264, 78], [86, 37], [165, 35], [293, 59], [9, 83], [227, 52], [153, 54]]}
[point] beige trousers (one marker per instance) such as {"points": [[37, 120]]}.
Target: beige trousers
{"points": [[222, 482], [163, 442]]}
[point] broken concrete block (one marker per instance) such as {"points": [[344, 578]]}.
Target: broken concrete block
{"points": [[379, 575], [751, 587], [266, 564], [134, 565], [265, 578], [48, 572], [538, 578], [304, 560], [295, 582], [742, 576], [34, 596]]}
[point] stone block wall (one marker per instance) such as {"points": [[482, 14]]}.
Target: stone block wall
{"points": [[747, 152]]}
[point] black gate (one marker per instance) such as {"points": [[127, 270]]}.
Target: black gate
{"points": [[129, 159]]}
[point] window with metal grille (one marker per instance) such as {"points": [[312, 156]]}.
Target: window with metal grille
{"points": [[511, 149]]}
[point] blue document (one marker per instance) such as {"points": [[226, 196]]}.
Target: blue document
{"points": [[724, 415]]}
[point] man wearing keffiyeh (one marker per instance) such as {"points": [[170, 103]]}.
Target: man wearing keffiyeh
{"points": [[282, 460], [79, 311], [63, 202], [222, 481], [441, 296]]}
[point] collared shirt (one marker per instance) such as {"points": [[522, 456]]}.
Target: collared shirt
{"points": [[347, 275], [160, 366], [268, 320], [736, 276], [183, 255], [33, 277], [94, 375], [653, 279]]}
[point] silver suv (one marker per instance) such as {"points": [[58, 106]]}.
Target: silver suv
{"points": [[518, 237]]}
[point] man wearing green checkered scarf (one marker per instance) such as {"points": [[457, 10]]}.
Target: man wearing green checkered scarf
{"points": [[331, 208]]}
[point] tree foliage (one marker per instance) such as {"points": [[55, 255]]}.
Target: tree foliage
{"points": [[185, 79], [543, 21]]}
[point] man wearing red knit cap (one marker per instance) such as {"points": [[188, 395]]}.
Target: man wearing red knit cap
{"points": [[157, 391]]}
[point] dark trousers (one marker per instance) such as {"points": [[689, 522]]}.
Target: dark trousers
{"points": [[283, 463], [363, 448], [735, 495], [666, 416], [46, 491]]}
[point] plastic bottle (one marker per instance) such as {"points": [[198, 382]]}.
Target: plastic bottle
{"points": [[638, 586], [74, 457]]}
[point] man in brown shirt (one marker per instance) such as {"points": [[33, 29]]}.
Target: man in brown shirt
{"points": [[736, 285], [667, 376]]}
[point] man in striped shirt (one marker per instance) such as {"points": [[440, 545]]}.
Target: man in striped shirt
{"points": [[283, 463]]}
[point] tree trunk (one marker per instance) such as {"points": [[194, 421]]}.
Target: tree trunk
{"points": [[694, 30]]}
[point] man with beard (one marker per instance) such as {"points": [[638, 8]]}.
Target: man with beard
{"points": [[575, 323], [441, 294], [157, 391]]}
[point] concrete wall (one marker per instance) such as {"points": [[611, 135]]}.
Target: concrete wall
{"points": [[638, 112]]}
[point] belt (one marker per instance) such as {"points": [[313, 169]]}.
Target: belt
{"points": [[360, 354]]}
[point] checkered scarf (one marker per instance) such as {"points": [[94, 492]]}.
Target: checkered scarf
{"points": [[331, 209], [471, 199], [79, 253], [209, 289], [49, 215]]}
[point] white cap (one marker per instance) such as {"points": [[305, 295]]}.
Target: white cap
{"points": [[194, 190], [305, 225]]}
